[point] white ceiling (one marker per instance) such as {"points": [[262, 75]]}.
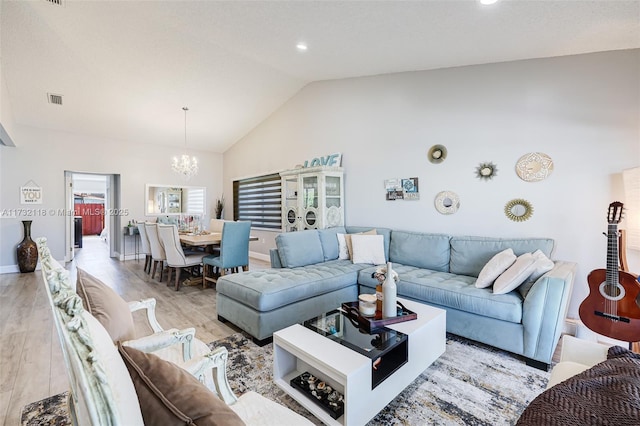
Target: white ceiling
{"points": [[126, 68]]}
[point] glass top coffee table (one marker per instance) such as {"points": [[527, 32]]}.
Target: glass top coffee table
{"points": [[365, 371]]}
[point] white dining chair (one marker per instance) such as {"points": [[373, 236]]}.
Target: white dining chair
{"points": [[157, 250], [216, 225], [177, 260], [146, 247]]}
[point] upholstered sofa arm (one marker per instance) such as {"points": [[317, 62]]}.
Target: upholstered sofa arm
{"points": [[583, 351], [545, 309], [576, 356], [275, 258], [150, 305], [165, 339]]}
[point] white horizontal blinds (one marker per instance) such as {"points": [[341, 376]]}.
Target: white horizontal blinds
{"points": [[194, 200], [258, 199], [631, 178]]}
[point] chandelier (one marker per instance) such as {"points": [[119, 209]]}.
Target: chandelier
{"points": [[185, 165]]}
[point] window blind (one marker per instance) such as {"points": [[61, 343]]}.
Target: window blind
{"points": [[194, 201], [258, 199]]}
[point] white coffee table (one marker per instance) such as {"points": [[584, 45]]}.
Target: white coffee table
{"points": [[297, 349]]}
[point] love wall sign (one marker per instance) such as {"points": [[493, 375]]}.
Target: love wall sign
{"points": [[327, 160]]}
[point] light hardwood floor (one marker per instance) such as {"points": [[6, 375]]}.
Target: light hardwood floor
{"points": [[31, 362]]}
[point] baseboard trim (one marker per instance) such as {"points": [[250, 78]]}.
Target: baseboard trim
{"points": [[10, 269], [570, 326], [260, 256], [14, 269]]}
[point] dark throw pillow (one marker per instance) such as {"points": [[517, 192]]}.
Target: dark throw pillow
{"points": [[169, 395], [106, 306]]}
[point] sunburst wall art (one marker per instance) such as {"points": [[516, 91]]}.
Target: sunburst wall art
{"points": [[486, 171]]}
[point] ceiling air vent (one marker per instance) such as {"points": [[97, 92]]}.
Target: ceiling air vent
{"points": [[54, 99], [55, 2]]}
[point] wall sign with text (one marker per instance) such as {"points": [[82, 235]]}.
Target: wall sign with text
{"points": [[333, 160], [30, 193]]}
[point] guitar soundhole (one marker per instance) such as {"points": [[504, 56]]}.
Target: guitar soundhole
{"points": [[611, 292]]}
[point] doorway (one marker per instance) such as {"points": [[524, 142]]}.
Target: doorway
{"points": [[90, 199]]}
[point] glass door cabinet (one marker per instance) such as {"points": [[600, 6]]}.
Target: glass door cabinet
{"points": [[312, 198]]}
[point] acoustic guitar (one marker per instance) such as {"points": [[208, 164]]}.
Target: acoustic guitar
{"points": [[612, 307]]}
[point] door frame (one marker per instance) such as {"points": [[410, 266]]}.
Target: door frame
{"points": [[112, 207]]}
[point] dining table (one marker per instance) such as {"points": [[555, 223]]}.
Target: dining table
{"points": [[204, 240]]}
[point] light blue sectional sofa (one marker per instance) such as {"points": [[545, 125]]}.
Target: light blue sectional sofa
{"points": [[307, 279]]}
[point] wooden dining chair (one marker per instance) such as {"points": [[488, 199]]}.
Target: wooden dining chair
{"points": [[177, 260], [157, 251], [234, 252]]}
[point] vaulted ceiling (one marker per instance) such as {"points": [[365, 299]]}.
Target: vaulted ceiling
{"points": [[125, 69]]}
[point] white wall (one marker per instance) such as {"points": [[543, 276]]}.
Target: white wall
{"points": [[43, 156], [583, 111]]}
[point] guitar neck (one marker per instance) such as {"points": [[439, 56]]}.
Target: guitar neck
{"points": [[612, 254]]}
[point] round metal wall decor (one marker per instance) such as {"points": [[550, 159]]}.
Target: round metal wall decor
{"points": [[518, 210], [534, 166], [486, 171], [437, 154], [447, 202]]}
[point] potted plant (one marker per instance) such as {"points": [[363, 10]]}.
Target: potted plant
{"points": [[219, 207]]}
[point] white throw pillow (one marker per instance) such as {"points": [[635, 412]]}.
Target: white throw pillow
{"points": [[368, 249], [543, 265], [494, 267], [515, 275], [343, 252], [347, 238]]}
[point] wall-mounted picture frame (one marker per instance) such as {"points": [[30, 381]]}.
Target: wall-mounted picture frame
{"points": [[402, 189]]}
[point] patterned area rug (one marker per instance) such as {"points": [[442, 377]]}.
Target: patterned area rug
{"points": [[471, 384]]}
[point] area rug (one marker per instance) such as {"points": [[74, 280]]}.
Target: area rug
{"points": [[470, 384]]}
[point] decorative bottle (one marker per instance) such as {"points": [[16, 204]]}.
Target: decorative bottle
{"points": [[389, 295], [379, 300]]}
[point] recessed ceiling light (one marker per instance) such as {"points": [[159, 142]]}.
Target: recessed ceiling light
{"points": [[488, 2], [301, 47]]}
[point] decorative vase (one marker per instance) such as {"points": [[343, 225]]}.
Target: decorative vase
{"points": [[389, 295], [27, 250]]}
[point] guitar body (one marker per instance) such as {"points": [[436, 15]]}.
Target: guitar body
{"points": [[600, 312], [612, 307]]}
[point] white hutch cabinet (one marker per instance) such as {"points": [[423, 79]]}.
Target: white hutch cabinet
{"points": [[312, 198]]}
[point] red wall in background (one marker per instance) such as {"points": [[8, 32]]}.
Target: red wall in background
{"points": [[92, 217]]}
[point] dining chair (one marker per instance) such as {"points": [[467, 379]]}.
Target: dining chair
{"points": [[234, 252], [157, 250], [146, 247], [176, 258], [216, 225]]}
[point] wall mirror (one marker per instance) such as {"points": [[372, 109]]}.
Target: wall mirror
{"points": [[175, 199], [518, 210]]}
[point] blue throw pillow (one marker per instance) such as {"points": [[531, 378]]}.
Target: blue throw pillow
{"points": [[329, 241], [299, 248]]}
